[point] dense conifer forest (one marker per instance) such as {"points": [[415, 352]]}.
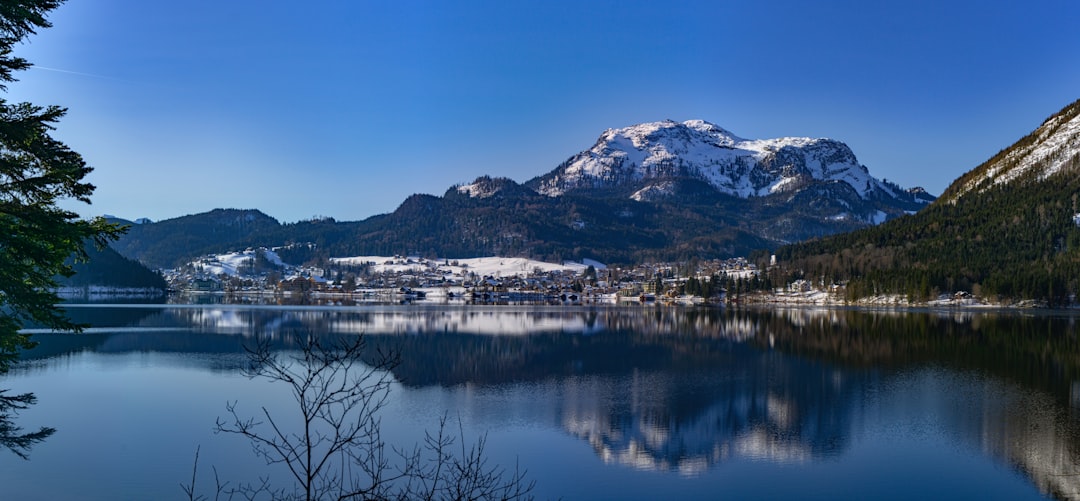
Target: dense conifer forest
{"points": [[1011, 240], [108, 268]]}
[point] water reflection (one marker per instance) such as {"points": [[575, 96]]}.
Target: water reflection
{"points": [[689, 390], [12, 436], [1003, 381], [752, 406]]}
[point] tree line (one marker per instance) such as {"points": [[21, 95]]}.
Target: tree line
{"points": [[1011, 241]]}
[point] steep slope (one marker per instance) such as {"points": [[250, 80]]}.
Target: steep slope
{"points": [[1007, 229], [1052, 148]]}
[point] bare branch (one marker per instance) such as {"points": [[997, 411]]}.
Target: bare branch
{"points": [[338, 451]]}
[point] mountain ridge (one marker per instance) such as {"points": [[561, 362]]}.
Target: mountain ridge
{"points": [[692, 190]]}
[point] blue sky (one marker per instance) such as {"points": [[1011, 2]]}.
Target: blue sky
{"points": [[343, 108]]}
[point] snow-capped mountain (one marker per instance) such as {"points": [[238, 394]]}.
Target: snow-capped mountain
{"points": [[779, 190], [647, 157], [662, 190], [1052, 148]]}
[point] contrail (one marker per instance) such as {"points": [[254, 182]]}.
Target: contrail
{"points": [[58, 70]]}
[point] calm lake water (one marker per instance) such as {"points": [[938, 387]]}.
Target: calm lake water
{"points": [[595, 402]]}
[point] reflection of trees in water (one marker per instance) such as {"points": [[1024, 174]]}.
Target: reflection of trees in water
{"points": [[1042, 351], [1025, 429], [781, 385], [657, 389], [606, 341], [1011, 379], [681, 390], [12, 435], [466, 320]]}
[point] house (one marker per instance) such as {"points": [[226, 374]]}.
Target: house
{"points": [[800, 286], [204, 285]]}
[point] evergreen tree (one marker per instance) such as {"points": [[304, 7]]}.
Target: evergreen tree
{"points": [[36, 171]]}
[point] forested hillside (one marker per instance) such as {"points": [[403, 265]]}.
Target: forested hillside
{"points": [[519, 223], [1012, 239], [172, 242], [105, 267]]}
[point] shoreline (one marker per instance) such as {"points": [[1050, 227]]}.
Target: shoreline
{"points": [[462, 296], [944, 301]]}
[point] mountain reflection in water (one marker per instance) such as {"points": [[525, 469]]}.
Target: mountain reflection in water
{"points": [[687, 390]]}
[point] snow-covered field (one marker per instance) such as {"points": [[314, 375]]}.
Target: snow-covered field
{"points": [[227, 264], [481, 266], [239, 264]]}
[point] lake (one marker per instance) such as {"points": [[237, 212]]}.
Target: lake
{"points": [[595, 402]]}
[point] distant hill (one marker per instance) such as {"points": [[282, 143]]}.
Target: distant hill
{"points": [[171, 242], [656, 191], [108, 268], [1010, 228]]}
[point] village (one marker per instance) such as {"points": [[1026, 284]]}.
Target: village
{"points": [[489, 279], [261, 275]]}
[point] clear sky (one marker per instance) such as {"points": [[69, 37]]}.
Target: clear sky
{"points": [[343, 108]]}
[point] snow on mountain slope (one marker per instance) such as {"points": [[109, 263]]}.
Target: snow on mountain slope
{"points": [[1053, 147], [481, 266], [235, 264], [487, 187], [226, 264], [702, 150]]}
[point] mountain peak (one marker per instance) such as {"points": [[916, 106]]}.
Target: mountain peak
{"points": [[710, 128], [487, 186], [651, 132], [638, 156]]}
